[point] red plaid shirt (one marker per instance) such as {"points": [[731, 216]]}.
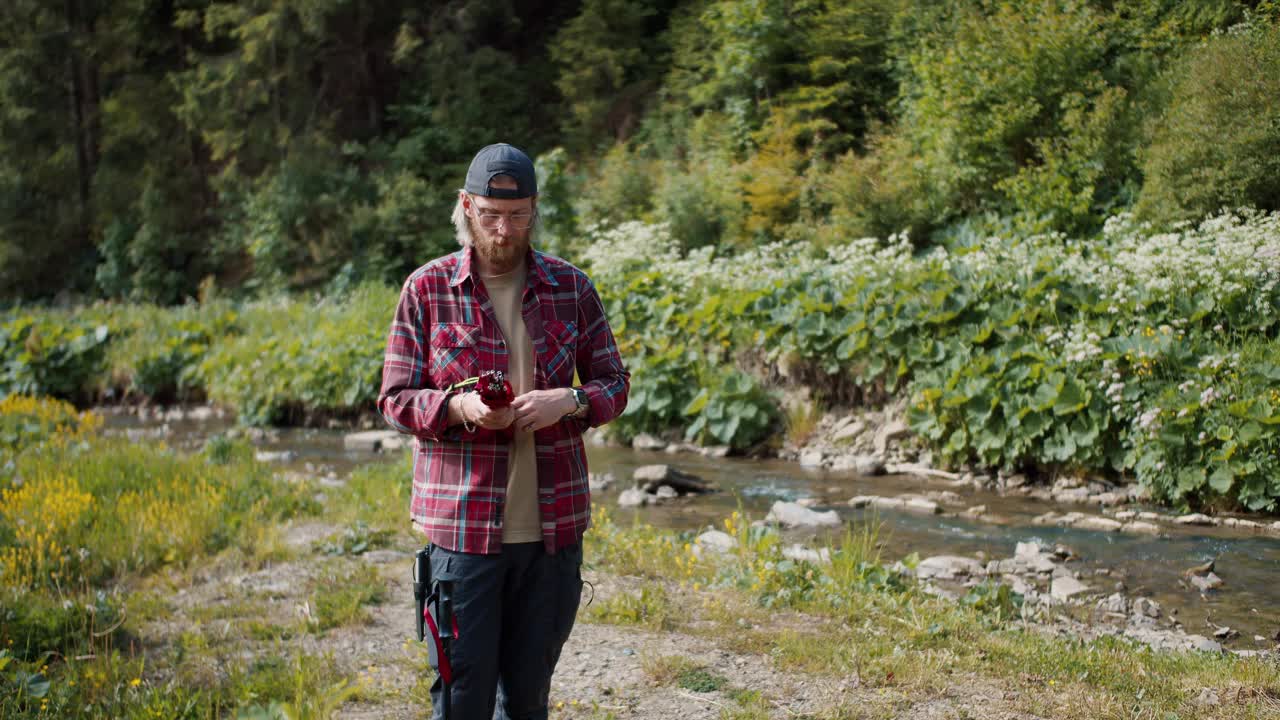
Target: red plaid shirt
{"points": [[445, 331]]}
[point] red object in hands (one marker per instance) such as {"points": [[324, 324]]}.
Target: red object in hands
{"points": [[494, 389]]}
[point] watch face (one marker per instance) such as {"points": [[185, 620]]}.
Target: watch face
{"points": [[580, 397]]}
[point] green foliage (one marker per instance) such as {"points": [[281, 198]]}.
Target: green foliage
{"points": [[609, 56], [994, 599], [733, 410], [650, 608], [50, 355], [1217, 143], [291, 360], [1132, 353], [341, 600]]}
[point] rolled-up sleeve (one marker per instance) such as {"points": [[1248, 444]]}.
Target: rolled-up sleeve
{"points": [[604, 378], [406, 400]]}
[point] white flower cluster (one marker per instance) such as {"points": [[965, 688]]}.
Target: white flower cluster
{"points": [[1230, 256]]}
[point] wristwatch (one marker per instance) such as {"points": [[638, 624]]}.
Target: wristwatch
{"points": [[583, 403]]}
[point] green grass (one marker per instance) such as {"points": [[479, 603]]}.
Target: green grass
{"points": [[340, 598], [855, 619], [649, 608]]}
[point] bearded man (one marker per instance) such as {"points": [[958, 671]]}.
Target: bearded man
{"points": [[500, 491]]}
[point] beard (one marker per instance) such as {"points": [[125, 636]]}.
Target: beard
{"points": [[504, 257]]}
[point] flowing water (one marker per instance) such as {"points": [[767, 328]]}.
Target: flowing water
{"points": [[1249, 563]]}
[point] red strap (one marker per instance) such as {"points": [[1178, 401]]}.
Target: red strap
{"points": [[446, 670]]}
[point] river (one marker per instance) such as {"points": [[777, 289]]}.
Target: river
{"points": [[1249, 564]]}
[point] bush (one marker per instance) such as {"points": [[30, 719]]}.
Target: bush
{"points": [[1017, 351], [1217, 143], [50, 354]]}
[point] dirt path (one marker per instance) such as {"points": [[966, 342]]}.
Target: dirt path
{"points": [[697, 670], [606, 671]]}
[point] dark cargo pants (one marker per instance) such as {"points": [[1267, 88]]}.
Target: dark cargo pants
{"points": [[514, 611]]}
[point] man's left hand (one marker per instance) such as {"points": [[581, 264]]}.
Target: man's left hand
{"points": [[537, 409]]}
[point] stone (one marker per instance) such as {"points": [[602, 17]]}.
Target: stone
{"points": [[203, 413], [1125, 515], [1150, 516], [812, 458], [717, 541], [1204, 644], [948, 567], [1049, 518], [1101, 524], [1038, 564], [922, 506], [1208, 697], [800, 552], [865, 465], [868, 465], [1241, 523], [1137, 527], [716, 451], [645, 441], [792, 515], [666, 492], [861, 501], [1071, 495], [634, 497], [1066, 587], [268, 456], [1195, 519], [1027, 549], [1205, 583], [1109, 499], [372, 440], [889, 432], [848, 431], [651, 477], [1016, 480], [1146, 607], [600, 481], [976, 511], [944, 496], [1115, 603]]}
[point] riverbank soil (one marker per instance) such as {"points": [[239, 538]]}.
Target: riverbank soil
{"points": [[641, 649]]}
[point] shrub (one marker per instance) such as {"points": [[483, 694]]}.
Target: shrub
{"points": [[1217, 143], [50, 354]]}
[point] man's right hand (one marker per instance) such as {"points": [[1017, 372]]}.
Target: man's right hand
{"points": [[470, 408]]}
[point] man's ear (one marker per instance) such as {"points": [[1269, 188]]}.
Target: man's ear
{"points": [[465, 198]]}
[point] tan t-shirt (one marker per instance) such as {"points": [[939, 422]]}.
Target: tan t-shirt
{"points": [[522, 522]]}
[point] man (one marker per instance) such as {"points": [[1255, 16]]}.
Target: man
{"points": [[501, 492]]}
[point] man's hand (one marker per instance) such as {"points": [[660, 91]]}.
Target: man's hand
{"points": [[537, 409], [469, 407]]}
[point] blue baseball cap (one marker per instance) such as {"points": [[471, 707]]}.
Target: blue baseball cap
{"points": [[501, 159]]}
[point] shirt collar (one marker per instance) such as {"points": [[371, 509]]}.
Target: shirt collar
{"points": [[536, 262]]}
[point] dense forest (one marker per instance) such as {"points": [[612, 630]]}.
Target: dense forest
{"points": [[158, 150]]}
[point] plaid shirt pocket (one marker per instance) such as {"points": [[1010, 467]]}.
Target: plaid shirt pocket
{"points": [[454, 356], [562, 344]]}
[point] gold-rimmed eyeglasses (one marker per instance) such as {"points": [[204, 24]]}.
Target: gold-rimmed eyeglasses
{"points": [[491, 219]]}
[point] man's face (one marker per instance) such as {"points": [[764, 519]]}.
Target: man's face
{"points": [[499, 228]]}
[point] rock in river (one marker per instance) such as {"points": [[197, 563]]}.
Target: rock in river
{"points": [[795, 515], [948, 567], [651, 477]]}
